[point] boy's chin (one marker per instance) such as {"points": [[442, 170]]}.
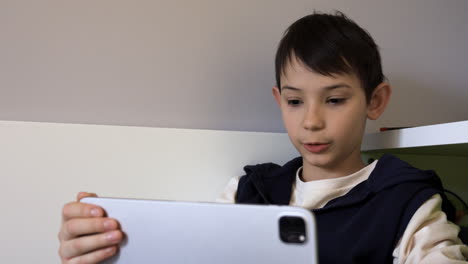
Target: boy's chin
{"points": [[323, 160]]}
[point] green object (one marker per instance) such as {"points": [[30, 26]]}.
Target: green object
{"points": [[450, 162]]}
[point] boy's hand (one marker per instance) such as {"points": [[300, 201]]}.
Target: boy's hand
{"points": [[86, 235]]}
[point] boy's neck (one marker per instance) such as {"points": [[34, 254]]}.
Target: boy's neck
{"points": [[314, 173]]}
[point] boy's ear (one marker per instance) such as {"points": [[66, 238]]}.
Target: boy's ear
{"points": [[277, 94], [379, 100]]}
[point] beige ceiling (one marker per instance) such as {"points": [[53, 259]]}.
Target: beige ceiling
{"points": [[209, 64]]}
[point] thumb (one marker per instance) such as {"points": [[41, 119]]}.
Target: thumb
{"points": [[82, 195]]}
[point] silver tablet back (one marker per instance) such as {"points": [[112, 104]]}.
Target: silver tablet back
{"points": [[208, 233]]}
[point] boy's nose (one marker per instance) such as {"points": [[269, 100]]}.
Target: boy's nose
{"points": [[313, 119]]}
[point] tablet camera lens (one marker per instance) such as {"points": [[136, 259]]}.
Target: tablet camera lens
{"points": [[292, 229]]}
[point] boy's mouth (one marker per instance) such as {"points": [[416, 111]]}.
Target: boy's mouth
{"points": [[316, 147]]}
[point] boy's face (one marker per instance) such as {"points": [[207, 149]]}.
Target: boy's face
{"points": [[325, 116]]}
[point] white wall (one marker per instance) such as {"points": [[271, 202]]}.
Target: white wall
{"points": [[209, 63], [43, 166]]}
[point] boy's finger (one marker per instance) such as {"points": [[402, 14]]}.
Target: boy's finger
{"points": [[84, 226], [81, 210], [94, 257], [82, 195], [83, 245]]}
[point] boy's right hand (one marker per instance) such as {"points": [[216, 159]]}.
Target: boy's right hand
{"points": [[86, 235]]}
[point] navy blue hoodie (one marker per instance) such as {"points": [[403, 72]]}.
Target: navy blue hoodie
{"points": [[363, 226]]}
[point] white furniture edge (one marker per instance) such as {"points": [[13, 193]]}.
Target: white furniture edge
{"points": [[423, 136]]}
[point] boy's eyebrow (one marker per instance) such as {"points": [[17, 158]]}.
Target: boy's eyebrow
{"points": [[290, 88], [330, 87], [336, 86]]}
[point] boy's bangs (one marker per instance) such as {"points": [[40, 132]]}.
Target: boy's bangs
{"points": [[322, 51], [331, 45], [327, 64]]}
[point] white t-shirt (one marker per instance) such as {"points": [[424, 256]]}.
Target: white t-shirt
{"points": [[428, 238]]}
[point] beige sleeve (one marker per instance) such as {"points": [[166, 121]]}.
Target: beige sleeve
{"points": [[430, 238], [229, 193]]}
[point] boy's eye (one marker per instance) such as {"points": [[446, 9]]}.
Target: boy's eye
{"points": [[336, 100], [294, 102]]}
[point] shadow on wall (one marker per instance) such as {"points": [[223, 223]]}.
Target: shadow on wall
{"points": [[420, 102]]}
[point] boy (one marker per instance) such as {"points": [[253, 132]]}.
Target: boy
{"points": [[329, 81]]}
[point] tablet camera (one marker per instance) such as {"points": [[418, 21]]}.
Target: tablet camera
{"points": [[292, 229]]}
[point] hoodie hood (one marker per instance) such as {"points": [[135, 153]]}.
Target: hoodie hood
{"points": [[270, 180]]}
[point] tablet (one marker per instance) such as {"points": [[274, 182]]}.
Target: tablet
{"points": [[210, 233]]}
